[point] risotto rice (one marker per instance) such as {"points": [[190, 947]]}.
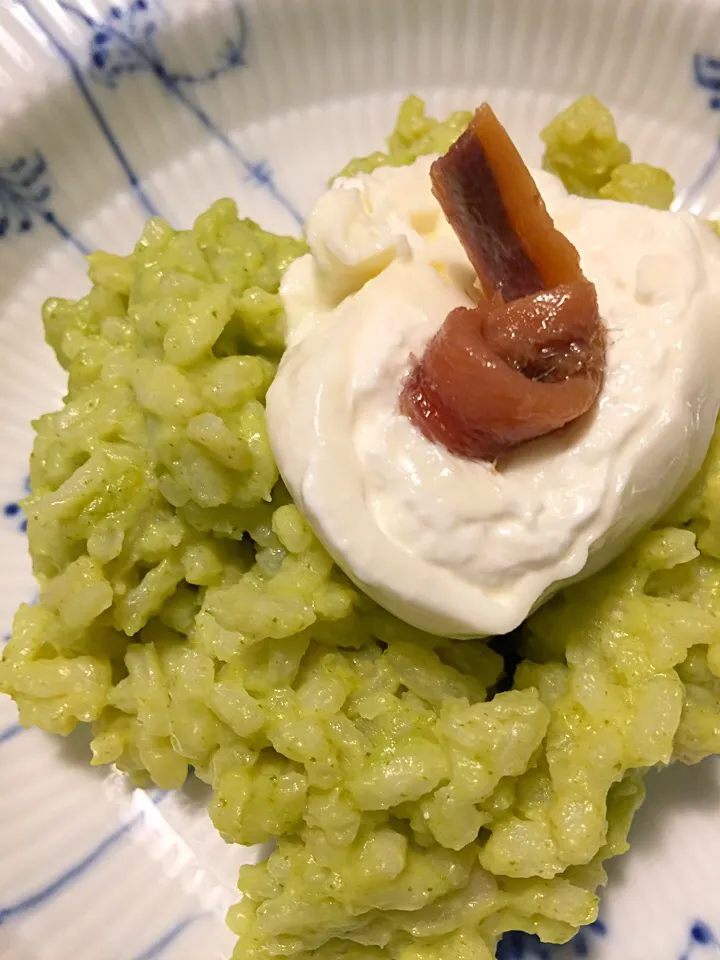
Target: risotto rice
{"points": [[424, 799]]}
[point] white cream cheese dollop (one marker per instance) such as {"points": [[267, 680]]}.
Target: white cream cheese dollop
{"points": [[458, 547]]}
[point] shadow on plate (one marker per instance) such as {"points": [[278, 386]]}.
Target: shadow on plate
{"points": [[673, 791], [74, 749], [195, 791]]}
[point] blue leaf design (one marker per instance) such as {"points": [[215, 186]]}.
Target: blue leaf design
{"points": [[261, 173], [25, 193], [124, 42], [701, 933], [700, 938], [42, 195], [706, 72], [13, 512], [160, 946], [73, 872], [9, 733]]}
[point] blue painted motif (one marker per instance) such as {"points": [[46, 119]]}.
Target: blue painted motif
{"points": [[83, 87], [25, 195], [13, 512], [77, 870], [46, 893], [707, 76], [700, 938], [126, 42], [706, 71], [160, 945], [9, 733]]}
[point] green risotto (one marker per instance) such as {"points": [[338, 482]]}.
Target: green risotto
{"points": [[424, 799]]}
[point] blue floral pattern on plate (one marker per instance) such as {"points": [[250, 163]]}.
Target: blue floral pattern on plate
{"points": [[13, 512], [25, 195], [707, 77], [127, 41], [700, 938], [706, 74]]}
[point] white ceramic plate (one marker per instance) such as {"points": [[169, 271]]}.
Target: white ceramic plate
{"points": [[111, 112]]}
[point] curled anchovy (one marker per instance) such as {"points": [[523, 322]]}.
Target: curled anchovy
{"points": [[530, 357]]}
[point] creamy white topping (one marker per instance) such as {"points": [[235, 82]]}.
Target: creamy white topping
{"points": [[458, 547]]}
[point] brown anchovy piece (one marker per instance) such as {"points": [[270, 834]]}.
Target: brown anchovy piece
{"points": [[530, 357]]}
